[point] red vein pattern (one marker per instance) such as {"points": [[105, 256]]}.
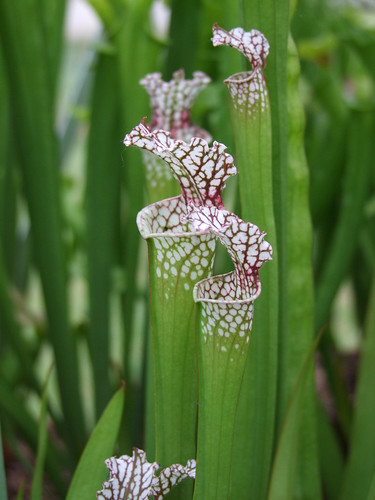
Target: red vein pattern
{"points": [[248, 89], [180, 251], [134, 478], [253, 44], [227, 300], [131, 477], [200, 170], [171, 103], [244, 242], [171, 476]]}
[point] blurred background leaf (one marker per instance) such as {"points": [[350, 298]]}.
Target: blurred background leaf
{"points": [[73, 273]]}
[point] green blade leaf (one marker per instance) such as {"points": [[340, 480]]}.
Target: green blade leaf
{"points": [[357, 179], [284, 470], [361, 465], [135, 61], [371, 495], [22, 37], [103, 198], [299, 316], [37, 483], [91, 469], [184, 34], [3, 484], [331, 460]]}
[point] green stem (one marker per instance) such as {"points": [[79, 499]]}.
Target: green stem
{"points": [[222, 357], [251, 122], [271, 17], [174, 268]]}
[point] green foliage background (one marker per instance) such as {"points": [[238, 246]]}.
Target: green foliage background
{"points": [[73, 273]]}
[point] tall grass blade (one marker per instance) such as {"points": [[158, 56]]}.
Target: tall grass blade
{"points": [[3, 484], [91, 470], [21, 491], [326, 170], [331, 459], [299, 316], [135, 61], [371, 495], [271, 17], [32, 108], [184, 35], [360, 468], [355, 191], [284, 471], [7, 184], [103, 208], [51, 13], [37, 483], [10, 332]]}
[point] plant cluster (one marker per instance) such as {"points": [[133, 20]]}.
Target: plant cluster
{"points": [[238, 380]]}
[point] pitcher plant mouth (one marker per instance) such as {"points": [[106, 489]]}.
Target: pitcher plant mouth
{"points": [[246, 247], [200, 170], [180, 250], [224, 328], [241, 77], [180, 254], [166, 218], [247, 88], [252, 44], [227, 300], [171, 103], [214, 290]]}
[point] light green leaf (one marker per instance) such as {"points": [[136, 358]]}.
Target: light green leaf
{"points": [[91, 469], [283, 477], [225, 315], [179, 256], [361, 465], [252, 127], [298, 334]]}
